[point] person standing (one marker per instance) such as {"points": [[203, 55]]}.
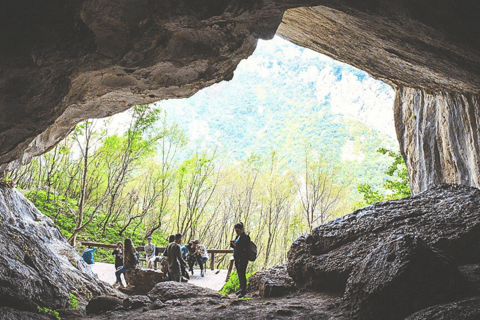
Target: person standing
{"points": [[129, 261], [241, 247], [174, 255], [118, 253], [149, 253]]}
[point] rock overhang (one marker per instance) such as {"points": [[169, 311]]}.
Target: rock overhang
{"points": [[65, 61]]}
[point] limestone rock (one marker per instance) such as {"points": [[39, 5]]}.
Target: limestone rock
{"points": [[401, 276], [141, 281], [135, 302], [38, 266], [437, 132], [91, 58], [273, 282], [445, 217], [103, 303], [468, 309], [171, 290], [416, 44]]}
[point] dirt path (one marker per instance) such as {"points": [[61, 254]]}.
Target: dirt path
{"points": [[106, 272]]}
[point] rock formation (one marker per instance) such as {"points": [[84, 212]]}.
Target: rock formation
{"points": [[62, 62], [38, 267], [393, 258]]}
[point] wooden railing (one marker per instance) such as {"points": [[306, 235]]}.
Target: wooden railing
{"points": [[159, 250]]}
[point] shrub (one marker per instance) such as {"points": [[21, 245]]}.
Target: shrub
{"points": [[50, 312], [233, 283], [73, 301]]}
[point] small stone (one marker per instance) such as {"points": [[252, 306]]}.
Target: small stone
{"points": [[157, 304], [135, 302]]}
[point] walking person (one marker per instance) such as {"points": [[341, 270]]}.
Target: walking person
{"points": [[129, 261], [241, 247]]}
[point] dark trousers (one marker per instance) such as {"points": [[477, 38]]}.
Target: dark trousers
{"points": [[191, 259], [241, 266]]}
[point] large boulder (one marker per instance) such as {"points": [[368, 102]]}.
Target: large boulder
{"points": [[172, 290], [141, 281], [445, 217], [273, 282], [401, 276], [103, 303], [37, 265]]}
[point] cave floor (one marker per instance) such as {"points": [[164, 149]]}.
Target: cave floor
{"points": [[306, 305], [211, 280]]}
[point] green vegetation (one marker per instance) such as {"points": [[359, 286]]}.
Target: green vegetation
{"points": [[397, 187], [233, 283], [277, 155], [52, 313], [73, 301]]}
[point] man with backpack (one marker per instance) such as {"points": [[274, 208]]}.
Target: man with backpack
{"points": [[242, 254]]}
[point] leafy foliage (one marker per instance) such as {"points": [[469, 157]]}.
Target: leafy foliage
{"points": [[397, 187], [52, 313], [73, 301], [233, 283]]}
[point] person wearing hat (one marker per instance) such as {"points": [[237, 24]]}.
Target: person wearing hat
{"points": [[149, 253]]}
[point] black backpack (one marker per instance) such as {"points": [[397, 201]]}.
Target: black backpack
{"points": [[252, 253]]}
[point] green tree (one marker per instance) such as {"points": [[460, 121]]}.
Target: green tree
{"points": [[397, 187]]}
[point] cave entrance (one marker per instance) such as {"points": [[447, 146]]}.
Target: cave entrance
{"points": [[282, 147]]}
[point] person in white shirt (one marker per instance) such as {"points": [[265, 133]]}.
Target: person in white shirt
{"points": [[149, 253], [201, 255]]}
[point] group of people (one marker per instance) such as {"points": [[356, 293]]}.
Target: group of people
{"points": [[174, 257], [193, 252], [126, 257]]}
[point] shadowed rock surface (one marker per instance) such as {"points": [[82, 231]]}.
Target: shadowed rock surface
{"points": [[273, 282], [37, 265], [468, 309], [65, 61], [446, 217], [401, 276]]}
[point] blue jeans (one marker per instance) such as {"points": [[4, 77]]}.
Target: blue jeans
{"points": [[119, 271]]}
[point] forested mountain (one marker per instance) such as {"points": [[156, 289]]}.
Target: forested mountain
{"points": [[290, 100]]}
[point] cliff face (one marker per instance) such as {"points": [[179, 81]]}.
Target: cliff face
{"points": [[439, 136]]}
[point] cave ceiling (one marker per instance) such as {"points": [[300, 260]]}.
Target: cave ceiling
{"points": [[63, 61]]}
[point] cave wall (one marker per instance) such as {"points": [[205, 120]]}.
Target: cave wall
{"points": [[63, 61], [439, 133]]}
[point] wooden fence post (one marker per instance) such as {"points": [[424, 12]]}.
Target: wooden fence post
{"points": [[212, 260], [230, 267]]}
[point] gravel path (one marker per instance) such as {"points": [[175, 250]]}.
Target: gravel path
{"points": [[106, 272]]}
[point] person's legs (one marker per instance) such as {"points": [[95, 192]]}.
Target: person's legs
{"points": [[241, 270], [191, 262], [118, 273]]}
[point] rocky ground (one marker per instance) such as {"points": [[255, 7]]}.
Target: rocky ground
{"points": [[417, 258]]}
